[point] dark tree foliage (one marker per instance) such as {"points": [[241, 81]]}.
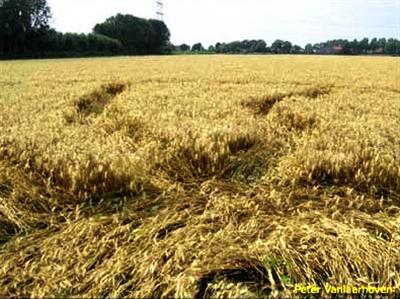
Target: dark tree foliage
{"points": [[390, 46], [23, 26], [160, 42], [138, 36], [309, 49], [296, 50], [259, 47], [198, 47], [242, 47], [25, 33], [281, 47], [211, 49], [183, 48], [74, 45]]}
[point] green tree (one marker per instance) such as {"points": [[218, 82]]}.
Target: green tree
{"points": [[23, 25], [286, 47], [392, 46], [317, 48], [309, 49], [159, 37], [382, 43], [355, 46], [218, 47], [249, 46], [259, 47], [234, 47], [138, 36], [296, 50], [364, 45], [280, 46], [211, 49], [198, 47], [373, 44], [276, 46], [184, 48]]}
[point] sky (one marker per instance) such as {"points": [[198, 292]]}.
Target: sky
{"points": [[211, 21]]}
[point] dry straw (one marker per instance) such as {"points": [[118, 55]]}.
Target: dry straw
{"points": [[198, 176]]}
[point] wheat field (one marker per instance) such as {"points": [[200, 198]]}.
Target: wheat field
{"points": [[198, 176]]}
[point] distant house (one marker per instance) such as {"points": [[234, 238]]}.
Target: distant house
{"points": [[338, 49], [376, 51], [331, 50], [326, 50]]}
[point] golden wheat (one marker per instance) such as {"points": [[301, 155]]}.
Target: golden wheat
{"points": [[211, 176]]}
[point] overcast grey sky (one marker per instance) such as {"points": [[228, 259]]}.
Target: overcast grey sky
{"points": [[209, 21]]}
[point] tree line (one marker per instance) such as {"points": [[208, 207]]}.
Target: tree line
{"points": [[389, 46], [25, 33]]}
